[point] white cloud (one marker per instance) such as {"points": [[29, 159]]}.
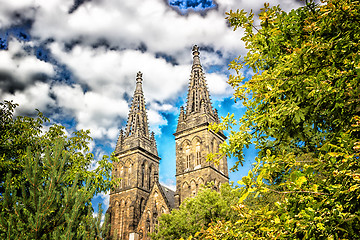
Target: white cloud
{"points": [[163, 107], [21, 65], [169, 183], [22, 79], [34, 97], [155, 120], [92, 110], [113, 72], [218, 84], [8, 8]]}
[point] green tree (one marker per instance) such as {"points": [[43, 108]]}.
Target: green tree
{"points": [[197, 213], [46, 182], [302, 115], [19, 133]]}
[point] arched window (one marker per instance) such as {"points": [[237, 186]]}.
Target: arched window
{"points": [[193, 188], [115, 219], [200, 183], [122, 217], [163, 210], [143, 174], [155, 219], [198, 154], [121, 183], [188, 156], [150, 174]]}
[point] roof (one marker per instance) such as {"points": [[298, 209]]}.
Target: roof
{"points": [[170, 195]]}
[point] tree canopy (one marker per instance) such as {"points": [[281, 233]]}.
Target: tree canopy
{"points": [[303, 117], [46, 181], [198, 212]]}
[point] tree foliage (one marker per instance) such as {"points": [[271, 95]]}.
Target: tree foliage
{"points": [[19, 133], [46, 182], [302, 115], [197, 213]]}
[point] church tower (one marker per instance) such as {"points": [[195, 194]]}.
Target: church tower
{"points": [[194, 141], [137, 169]]}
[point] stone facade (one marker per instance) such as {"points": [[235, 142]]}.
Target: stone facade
{"points": [[140, 199], [194, 141]]}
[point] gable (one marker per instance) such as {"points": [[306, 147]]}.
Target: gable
{"points": [[156, 205]]}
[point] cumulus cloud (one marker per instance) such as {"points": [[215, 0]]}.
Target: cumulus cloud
{"points": [[130, 24], [218, 85], [92, 110], [24, 78]]}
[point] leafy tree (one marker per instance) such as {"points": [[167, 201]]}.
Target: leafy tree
{"points": [[197, 213], [46, 205], [46, 182], [19, 133], [302, 114]]}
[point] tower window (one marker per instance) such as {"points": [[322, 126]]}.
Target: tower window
{"points": [[150, 173], [198, 154], [188, 156], [142, 174]]}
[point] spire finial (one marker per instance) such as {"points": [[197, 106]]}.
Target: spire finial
{"points": [[195, 50], [139, 77], [196, 57], [139, 82]]}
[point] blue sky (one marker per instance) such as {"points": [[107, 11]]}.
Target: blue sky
{"points": [[76, 61]]}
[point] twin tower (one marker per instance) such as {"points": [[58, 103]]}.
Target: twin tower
{"points": [[139, 199]]}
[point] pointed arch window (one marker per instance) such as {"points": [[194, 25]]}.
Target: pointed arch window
{"points": [[143, 174], [188, 157], [198, 154], [150, 173], [193, 188]]}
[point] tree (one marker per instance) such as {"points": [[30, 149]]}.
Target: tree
{"points": [[302, 114], [46, 184], [197, 213], [19, 133]]}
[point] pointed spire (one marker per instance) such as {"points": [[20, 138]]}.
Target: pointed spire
{"points": [[137, 121], [120, 141], [182, 114], [198, 99], [136, 134], [216, 116]]}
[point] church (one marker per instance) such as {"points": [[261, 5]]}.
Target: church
{"points": [[139, 199]]}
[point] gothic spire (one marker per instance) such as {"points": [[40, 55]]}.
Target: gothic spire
{"points": [[198, 99], [137, 123]]}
